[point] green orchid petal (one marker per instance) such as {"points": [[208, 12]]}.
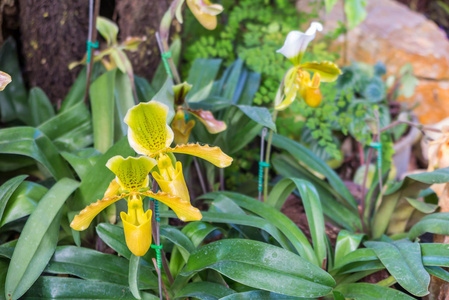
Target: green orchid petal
{"points": [[328, 70], [148, 131], [290, 89], [132, 173], [108, 30]]}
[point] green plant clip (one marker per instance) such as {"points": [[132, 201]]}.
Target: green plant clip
{"points": [[378, 147], [165, 56], [156, 209], [262, 165], [158, 249], [90, 45]]}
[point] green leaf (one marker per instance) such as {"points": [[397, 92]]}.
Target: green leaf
{"points": [[312, 206], [114, 237], [346, 243], [409, 187], [437, 223], [7, 189], [72, 288], [31, 142], [435, 254], [332, 208], [261, 295], [202, 75], [23, 201], [261, 115], [97, 181], [70, 130], [403, 261], [261, 266], [165, 95], [329, 4], [133, 279], [328, 70], [422, 206], [96, 266], [278, 219], [204, 290], [355, 12], [250, 88], [124, 100], [82, 161], [198, 231], [179, 239], [143, 88], [245, 220], [438, 272], [38, 239], [102, 102], [40, 106], [108, 30], [3, 269], [13, 100], [370, 291], [76, 93], [231, 79], [309, 159]]}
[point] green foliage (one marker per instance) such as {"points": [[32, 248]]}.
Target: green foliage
{"points": [[348, 108], [253, 32]]}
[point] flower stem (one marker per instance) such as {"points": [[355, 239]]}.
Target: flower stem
{"points": [[92, 36], [156, 237], [267, 158]]}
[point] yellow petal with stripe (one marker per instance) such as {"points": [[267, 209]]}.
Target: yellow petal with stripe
{"points": [[213, 155], [291, 87], [132, 173], [182, 208], [148, 131], [327, 70], [85, 217]]}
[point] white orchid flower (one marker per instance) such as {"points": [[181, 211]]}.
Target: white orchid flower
{"points": [[297, 80], [296, 43]]}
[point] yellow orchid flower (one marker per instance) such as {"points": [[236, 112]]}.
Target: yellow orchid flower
{"points": [[149, 134], [131, 183], [297, 80], [5, 79], [205, 12], [438, 151], [180, 128]]}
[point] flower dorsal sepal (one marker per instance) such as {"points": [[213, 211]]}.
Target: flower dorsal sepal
{"points": [[296, 43], [148, 131], [205, 12]]}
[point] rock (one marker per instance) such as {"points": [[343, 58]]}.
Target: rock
{"points": [[396, 35]]}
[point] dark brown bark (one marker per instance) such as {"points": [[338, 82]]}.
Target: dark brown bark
{"points": [[53, 34], [138, 18]]}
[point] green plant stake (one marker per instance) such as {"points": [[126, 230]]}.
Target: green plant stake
{"points": [[262, 164]]}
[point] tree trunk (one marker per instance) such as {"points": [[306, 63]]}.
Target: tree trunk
{"points": [[138, 18], [53, 34]]}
